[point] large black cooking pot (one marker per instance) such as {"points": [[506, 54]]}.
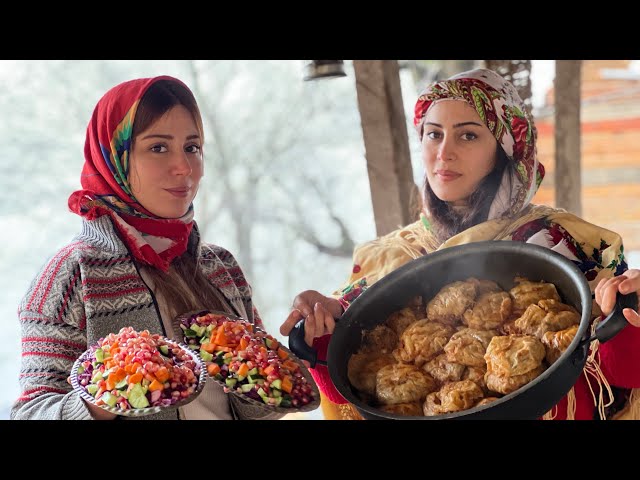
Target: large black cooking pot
{"points": [[499, 261]]}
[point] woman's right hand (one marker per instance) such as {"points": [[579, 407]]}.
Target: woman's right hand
{"points": [[607, 289], [319, 312]]}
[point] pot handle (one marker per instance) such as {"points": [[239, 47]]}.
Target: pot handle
{"points": [[300, 348], [615, 321]]}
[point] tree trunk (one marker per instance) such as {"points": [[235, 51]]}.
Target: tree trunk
{"points": [[568, 181], [393, 191]]}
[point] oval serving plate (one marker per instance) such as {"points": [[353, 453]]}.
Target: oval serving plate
{"points": [[315, 393], [140, 412]]}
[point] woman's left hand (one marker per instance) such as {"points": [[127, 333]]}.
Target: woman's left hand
{"points": [[608, 288]]}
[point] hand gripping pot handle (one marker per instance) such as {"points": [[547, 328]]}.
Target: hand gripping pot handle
{"points": [[300, 348], [615, 321]]}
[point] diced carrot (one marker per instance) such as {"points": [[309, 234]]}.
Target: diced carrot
{"points": [[162, 374], [213, 368], [269, 370], [243, 370], [156, 385], [221, 338], [244, 343], [208, 347], [135, 378], [290, 365], [116, 376], [282, 353], [287, 385], [110, 384], [120, 374]]}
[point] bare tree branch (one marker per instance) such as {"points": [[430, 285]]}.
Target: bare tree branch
{"points": [[304, 230]]}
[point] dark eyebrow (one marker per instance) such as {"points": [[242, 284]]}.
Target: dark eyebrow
{"points": [[168, 137], [457, 125]]}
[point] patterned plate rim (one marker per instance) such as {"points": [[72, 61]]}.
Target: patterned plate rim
{"points": [[140, 412], [313, 405]]}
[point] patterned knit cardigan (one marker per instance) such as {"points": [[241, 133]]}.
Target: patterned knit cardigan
{"points": [[87, 290]]}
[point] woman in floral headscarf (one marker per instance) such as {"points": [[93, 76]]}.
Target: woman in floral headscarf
{"points": [[479, 151], [138, 261]]}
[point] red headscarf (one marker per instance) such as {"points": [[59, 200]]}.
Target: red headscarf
{"points": [[105, 185], [500, 107]]}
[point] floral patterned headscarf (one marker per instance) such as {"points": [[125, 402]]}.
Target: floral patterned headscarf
{"points": [[105, 184], [500, 107]]}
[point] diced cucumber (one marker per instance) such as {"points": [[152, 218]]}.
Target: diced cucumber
{"points": [[247, 387], [97, 376], [164, 349], [194, 347], [285, 402], [253, 371], [80, 369], [190, 333], [231, 382], [277, 383], [122, 384], [100, 355], [92, 388], [276, 393], [262, 394], [253, 378], [197, 329], [206, 356], [109, 399], [271, 344], [137, 397]]}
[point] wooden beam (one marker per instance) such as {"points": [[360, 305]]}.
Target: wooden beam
{"points": [[393, 191], [568, 173]]}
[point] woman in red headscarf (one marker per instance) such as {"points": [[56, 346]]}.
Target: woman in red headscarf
{"points": [[481, 172], [138, 261]]}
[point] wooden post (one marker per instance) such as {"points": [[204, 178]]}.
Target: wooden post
{"points": [[393, 191], [568, 176]]}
